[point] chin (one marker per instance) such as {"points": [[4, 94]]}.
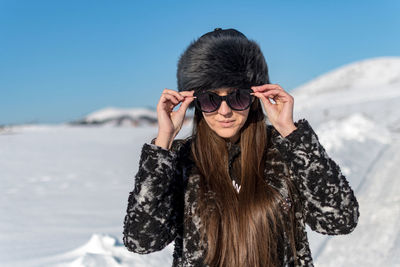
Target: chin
{"points": [[226, 133]]}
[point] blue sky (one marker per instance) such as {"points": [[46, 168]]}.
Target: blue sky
{"points": [[60, 60]]}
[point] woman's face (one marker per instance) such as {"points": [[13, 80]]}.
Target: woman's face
{"points": [[225, 121]]}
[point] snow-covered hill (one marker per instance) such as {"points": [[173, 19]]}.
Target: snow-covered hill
{"points": [[130, 117], [355, 112], [112, 116], [369, 87], [376, 72], [64, 189]]}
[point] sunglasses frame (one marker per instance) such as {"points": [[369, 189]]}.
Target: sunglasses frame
{"points": [[222, 98]]}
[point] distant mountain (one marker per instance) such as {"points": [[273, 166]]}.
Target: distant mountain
{"points": [[112, 116]]}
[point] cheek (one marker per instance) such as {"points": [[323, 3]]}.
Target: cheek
{"points": [[243, 117], [209, 120]]}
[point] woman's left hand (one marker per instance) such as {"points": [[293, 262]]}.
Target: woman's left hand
{"points": [[279, 114]]}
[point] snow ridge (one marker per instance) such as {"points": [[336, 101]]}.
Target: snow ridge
{"points": [[382, 71]]}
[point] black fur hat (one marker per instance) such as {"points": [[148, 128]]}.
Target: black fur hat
{"points": [[221, 58]]}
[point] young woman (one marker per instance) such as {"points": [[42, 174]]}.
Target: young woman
{"points": [[238, 191]]}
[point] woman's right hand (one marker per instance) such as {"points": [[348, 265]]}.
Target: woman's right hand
{"points": [[169, 121]]}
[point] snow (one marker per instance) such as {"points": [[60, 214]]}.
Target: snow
{"points": [[64, 189], [375, 242], [366, 73], [113, 112]]}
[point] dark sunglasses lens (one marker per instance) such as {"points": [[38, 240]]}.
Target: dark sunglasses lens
{"points": [[209, 102], [239, 99]]}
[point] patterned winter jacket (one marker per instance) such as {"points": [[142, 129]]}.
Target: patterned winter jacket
{"points": [[161, 206]]}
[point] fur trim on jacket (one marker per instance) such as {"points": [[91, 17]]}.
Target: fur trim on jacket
{"points": [[162, 204]]}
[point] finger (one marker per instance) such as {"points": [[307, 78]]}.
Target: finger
{"points": [[185, 104], [266, 87], [267, 98], [187, 93], [172, 92], [264, 99], [280, 95], [167, 97], [269, 94], [275, 93]]}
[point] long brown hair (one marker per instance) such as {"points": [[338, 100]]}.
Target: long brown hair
{"points": [[245, 228]]}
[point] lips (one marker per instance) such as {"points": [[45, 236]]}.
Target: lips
{"points": [[226, 123]]}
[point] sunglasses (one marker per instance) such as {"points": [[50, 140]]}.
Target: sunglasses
{"points": [[208, 101]]}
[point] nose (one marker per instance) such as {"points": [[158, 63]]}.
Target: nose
{"points": [[224, 109]]}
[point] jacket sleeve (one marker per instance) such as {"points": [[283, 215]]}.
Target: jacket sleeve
{"points": [[329, 204], [152, 214]]}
